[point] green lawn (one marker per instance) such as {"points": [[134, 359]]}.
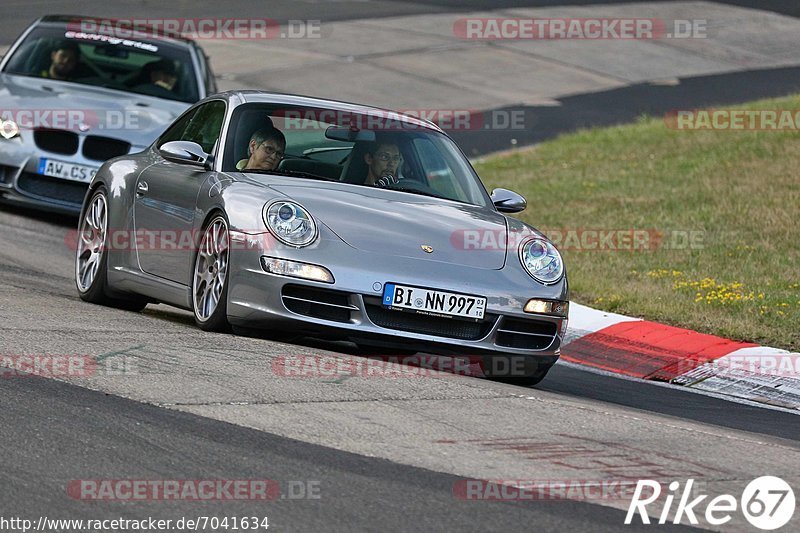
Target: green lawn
{"points": [[736, 193]]}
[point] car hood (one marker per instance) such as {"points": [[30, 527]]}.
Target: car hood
{"points": [[400, 224], [139, 119]]}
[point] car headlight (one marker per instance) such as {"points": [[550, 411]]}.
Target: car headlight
{"points": [[9, 129], [290, 223], [541, 260]]}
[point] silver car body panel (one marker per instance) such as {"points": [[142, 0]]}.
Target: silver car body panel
{"points": [[367, 237]]}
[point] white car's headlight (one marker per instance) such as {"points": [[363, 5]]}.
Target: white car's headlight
{"points": [[542, 261], [8, 129], [290, 223]]}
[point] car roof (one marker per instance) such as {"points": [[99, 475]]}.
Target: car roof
{"points": [[153, 33], [254, 96]]}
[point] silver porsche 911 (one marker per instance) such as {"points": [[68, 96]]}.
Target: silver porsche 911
{"points": [[72, 97], [335, 220]]}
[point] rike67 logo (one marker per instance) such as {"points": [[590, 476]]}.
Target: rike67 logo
{"points": [[767, 503]]}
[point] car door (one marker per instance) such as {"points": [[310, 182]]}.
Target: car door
{"points": [[165, 206]]}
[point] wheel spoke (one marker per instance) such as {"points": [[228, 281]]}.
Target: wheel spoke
{"points": [[208, 245], [217, 291], [213, 298], [95, 215], [214, 238]]}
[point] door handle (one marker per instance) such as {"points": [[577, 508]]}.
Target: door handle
{"points": [[142, 188]]}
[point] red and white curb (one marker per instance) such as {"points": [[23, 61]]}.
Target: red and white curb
{"points": [[648, 350]]}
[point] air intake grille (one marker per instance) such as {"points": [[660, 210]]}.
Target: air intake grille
{"points": [[318, 303], [103, 148], [6, 173], [56, 141], [51, 188], [525, 334]]}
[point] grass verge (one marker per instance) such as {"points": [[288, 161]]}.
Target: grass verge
{"points": [[717, 215]]}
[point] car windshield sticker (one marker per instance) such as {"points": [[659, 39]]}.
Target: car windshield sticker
{"points": [[111, 40]]}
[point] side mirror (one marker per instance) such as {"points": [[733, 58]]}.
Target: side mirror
{"points": [[187, 152], [508, 201]]}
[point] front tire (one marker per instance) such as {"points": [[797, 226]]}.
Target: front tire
{"points": [[91, 260], [210, 277]]}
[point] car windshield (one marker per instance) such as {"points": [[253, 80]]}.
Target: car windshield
{"points": [[142, 66], [378, 149]]}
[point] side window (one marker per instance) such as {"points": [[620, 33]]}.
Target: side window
{"points": [[202, 126], [205, 125], [175, 132], [208, 76]]}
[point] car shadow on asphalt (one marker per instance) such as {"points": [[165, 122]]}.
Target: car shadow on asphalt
{"points": [[51, 217]]}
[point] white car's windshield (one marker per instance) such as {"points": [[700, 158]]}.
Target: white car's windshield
{"points": [[143, 66]]}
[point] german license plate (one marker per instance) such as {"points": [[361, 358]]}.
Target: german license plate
{"points": [[67, 171], [433, 302]]}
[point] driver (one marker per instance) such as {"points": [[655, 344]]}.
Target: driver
{"points": [[382, 159], [63, 59], [265, 150], [161, 77]]}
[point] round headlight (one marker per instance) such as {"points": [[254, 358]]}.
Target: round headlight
{"points": [[541, 260], [8, 129], [290, 223]]}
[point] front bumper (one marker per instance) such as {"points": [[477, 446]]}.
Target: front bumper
{"points": [[350, 308], [22, 184]]}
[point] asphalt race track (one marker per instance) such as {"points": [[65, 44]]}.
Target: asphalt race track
{"points": [[378, 449], [353, 453]]}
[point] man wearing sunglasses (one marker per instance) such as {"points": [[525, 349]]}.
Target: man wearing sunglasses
{"points": [[383, 160], [265, 150]]}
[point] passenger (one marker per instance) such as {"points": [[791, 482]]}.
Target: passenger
{"points": [[382, 159], [161, 77], [265, 150], [63, 59]]}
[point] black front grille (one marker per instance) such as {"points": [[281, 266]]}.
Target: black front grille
{"points": [[429, 325], [56, 141], [103, 148], [525, 334], [317, 303], [52, 188]]}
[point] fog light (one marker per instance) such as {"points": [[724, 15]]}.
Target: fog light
{"points": [[547, 307], [295, 269]]}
